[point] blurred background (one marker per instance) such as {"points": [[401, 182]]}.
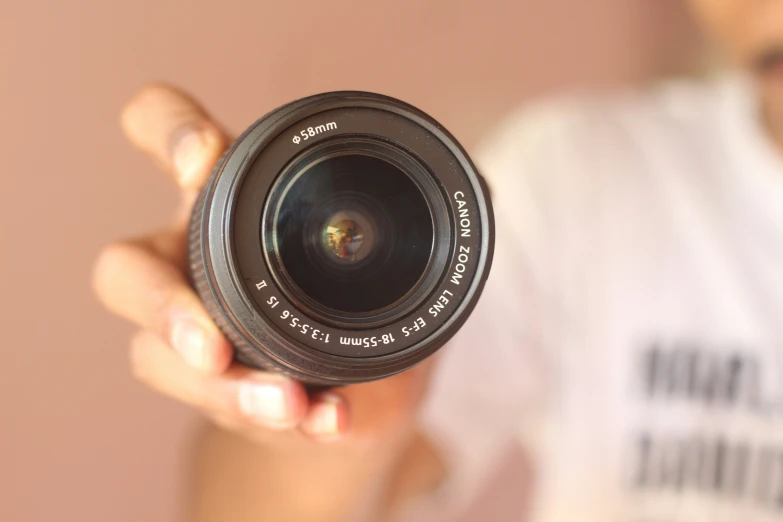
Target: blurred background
{"points": [[79, 439]]}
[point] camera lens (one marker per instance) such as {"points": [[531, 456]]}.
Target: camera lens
{"points": [[342, 238]]}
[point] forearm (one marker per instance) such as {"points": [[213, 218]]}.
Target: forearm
{"points": [[235, 480]]}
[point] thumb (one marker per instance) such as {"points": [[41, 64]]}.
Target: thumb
{"points": [[176, 132]]}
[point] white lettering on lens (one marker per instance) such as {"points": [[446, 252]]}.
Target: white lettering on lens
{"points": [[418, 324], [309, 132], [440, 304], [303, 328], [261, 285], [366, 342], [462, 258], [464, 214]]}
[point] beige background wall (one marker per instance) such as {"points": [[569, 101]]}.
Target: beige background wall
{"points": [[79, 440]]}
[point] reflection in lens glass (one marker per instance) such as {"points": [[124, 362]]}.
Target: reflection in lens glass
{"points": [[344, 236], [354, 233]]}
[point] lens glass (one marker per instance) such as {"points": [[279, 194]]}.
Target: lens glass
{"points": [[353, 232]]}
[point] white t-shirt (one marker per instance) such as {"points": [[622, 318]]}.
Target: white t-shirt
{"points": [[630, 336]]}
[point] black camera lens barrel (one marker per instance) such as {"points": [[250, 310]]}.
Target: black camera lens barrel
{"points": [[428, 230]]}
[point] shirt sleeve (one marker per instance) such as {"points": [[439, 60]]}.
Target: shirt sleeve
{"points": [[496, 372]]}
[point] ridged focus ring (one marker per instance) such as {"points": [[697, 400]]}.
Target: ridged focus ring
{"points": [[199, 280]]}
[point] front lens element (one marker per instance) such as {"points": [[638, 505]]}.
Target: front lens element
{"points": [[353, 232]]}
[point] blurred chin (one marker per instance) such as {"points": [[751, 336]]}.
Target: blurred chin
{"points": [[771, 90], [771, 80], [768, 68]]}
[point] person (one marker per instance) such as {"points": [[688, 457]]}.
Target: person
{"points": [[629, 337]]}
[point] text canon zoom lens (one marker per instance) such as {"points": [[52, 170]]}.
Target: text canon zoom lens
{"points": [[342, 238]]}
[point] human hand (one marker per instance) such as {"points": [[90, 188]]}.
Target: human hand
{"points": [[179, 350]]}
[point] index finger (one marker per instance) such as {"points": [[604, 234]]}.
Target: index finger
{"points": [[176, 132]]}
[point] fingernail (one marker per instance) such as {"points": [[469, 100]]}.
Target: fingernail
{"points": [[324, 420], [191, 150], [189, 340], [265, 402]]}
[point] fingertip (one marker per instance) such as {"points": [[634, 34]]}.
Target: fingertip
{"points": [[200, 343], [194, 149], [219, 354], [328, 418], [175, 131], [112, 259], [137, 108], [272, 400], [140, 345], [98, 275]]}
